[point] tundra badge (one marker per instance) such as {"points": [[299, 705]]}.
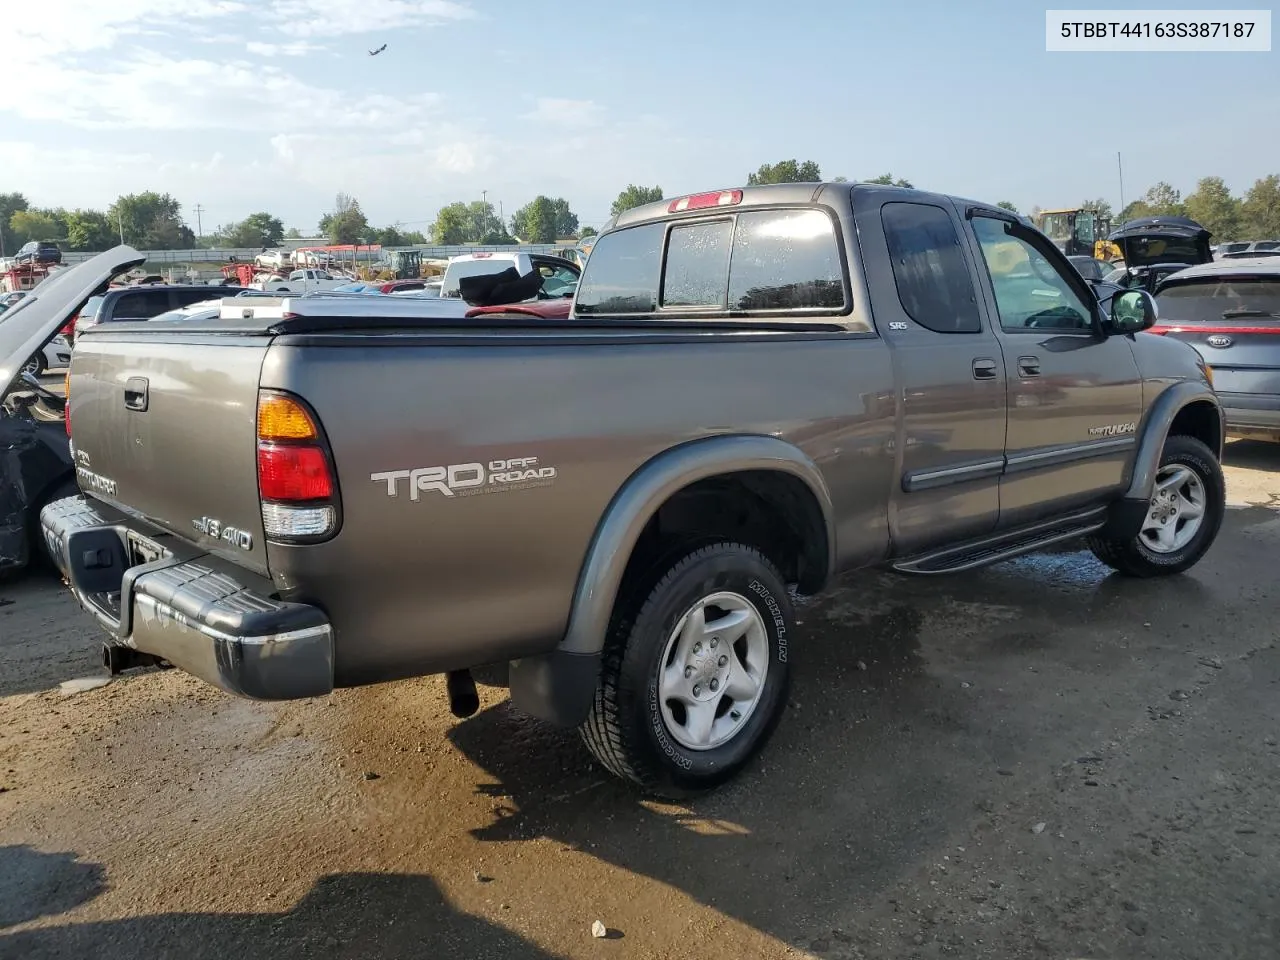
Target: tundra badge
{"points": [[1113, 430]]}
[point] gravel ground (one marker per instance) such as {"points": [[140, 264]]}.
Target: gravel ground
{"points": [[1033, 760]]}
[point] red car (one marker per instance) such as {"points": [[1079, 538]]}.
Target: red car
{"points": [[546, 309]]}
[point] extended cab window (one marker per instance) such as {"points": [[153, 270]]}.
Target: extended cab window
{"points": [[929, 268], [1030, 291], [786, 260]]}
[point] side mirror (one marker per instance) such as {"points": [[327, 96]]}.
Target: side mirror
{"points": [[1133, 311]]}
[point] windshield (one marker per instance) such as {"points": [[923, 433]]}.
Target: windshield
{"points": [[1056, 226], [1212, 297]]}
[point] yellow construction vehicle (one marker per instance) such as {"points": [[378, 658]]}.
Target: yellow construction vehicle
{"points": [[1079, 232]]}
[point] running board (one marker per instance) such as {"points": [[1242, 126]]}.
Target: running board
{"points": [[993, 549]]}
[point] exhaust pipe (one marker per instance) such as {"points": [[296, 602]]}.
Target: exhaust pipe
{"points": [[118, 659], [464, 701]]}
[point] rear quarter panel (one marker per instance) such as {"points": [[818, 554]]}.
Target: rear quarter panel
{"points": [[446, 582]]}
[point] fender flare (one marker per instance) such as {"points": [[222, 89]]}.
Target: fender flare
{"points": [[559, 686], [1155, 429]]}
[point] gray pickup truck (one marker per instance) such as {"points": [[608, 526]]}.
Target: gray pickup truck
{"points": [[757, 390]]}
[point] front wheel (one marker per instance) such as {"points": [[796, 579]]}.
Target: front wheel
{"points": [[695, 672], [35, 366], [1182, 518]]}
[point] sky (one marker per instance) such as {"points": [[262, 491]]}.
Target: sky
{"points": [[235, 106]]}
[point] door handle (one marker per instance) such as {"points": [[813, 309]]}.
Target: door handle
{"points": [[136, 393], [984, 368], [1029, 366]]}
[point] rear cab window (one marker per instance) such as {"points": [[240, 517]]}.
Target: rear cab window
{"points": [[753, 261]]}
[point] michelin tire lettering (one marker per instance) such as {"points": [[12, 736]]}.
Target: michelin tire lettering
{"points": [[467, 479]]}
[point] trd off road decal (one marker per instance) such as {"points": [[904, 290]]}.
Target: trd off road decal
{"points": [[467, 479]]}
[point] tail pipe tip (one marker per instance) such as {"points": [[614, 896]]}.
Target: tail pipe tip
{"points": [[464, 701]]}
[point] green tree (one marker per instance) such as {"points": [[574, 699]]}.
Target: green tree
{"points": [[1260, 211], [483, 221], [1164, 201], [90, 230], [255, 230], [453, 224], [347, 223], [535, 222], [566, 219], [888, 180], [786, 171], [151, 221], [35, 224], [1134, 210], [542, 220], [387, 237], [293, 233], [634, 196], [1006, 205], [1212, 205], [10, 203], [415, 238], [587, 232]]}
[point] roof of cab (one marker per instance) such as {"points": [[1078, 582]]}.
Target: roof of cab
{"points": [[774, 193]]}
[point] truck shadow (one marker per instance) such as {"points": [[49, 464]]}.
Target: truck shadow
{"points": [[884, 760], [351, 915], [1252, 454]]}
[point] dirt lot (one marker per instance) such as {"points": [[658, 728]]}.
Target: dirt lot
{"points": [[1033, 760]]}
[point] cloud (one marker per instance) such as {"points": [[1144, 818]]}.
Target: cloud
{"points": [[323, 18], [296, 48], [567, 113]]}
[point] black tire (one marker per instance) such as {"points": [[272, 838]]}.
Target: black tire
{"points": [[626, 730], [36, 365], [1133, 557]]}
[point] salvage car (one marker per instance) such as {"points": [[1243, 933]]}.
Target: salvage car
{"points": [[1155, 247], [35, 454], [1229, 311], [757, 389]]}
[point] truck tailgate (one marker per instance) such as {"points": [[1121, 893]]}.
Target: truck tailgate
{"points": [[165, 429]]}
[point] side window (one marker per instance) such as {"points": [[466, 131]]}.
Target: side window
{"points": [[697, 265], [557, 281], [929, 268], [625, 278], [1030, 292], [786, 260], [188, 297]]}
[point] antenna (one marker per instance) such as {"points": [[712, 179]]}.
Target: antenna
{"points": [[1120, 167]]}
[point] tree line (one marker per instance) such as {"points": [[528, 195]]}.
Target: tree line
{"points": [[153, 221], [1253, 215]]}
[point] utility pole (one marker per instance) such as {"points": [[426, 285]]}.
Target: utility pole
{"points": [[199, 226], [484, 212], [1120, 167], [120, 224]]}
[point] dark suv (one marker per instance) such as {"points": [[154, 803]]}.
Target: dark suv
{"points": [[144, 302], [39, 251]]}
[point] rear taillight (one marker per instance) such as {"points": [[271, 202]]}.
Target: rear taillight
{"points": [[296, 482], [66, 401]]}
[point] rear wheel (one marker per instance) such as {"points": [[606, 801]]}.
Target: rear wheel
{"points": [[1182, 519], [695, 672]]}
